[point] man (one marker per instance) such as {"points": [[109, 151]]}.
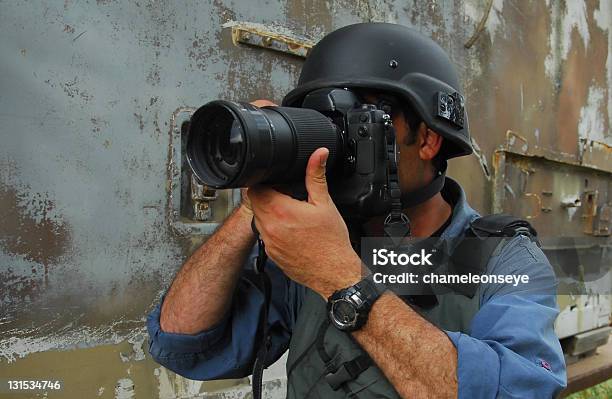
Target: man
{"points": [[497, 342]]}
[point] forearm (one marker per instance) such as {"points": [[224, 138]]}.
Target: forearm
{"points": [[202, 289], [415, 356]]}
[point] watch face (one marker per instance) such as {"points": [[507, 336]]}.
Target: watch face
{"points": [[344, 313]]}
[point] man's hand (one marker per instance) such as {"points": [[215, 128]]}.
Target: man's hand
{"points": [[263, 103], [307, 239]]}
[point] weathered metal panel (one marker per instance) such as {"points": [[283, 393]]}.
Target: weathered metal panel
{"points": [[94, 207]]}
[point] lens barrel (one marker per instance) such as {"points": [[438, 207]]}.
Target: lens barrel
{"points": [[233, 145]]}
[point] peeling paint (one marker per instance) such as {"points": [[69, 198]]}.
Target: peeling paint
{"points": [[495, 23], [137, 342], [378, 11], [591, 124], [73, 90], [124, 389], [138, 348], [567, 199], [170, 385], [481, 159], [34, 230], [573, 18]]}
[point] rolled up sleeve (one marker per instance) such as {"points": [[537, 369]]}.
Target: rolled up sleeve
{"points": [[511, 350], [227, 350]]}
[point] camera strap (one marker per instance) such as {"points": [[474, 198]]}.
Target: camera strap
{"points": [[397, 224], [262, 330]]}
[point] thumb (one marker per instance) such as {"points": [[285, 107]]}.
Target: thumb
{"points": [[316, 182]]}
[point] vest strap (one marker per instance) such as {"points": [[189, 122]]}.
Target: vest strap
{"points": [[485, 237], [348, 371]]}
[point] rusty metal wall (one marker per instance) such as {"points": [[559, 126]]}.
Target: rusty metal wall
{"points": [[92, 228]]}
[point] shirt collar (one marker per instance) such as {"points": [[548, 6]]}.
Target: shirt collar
{"points": [[462, 213]]}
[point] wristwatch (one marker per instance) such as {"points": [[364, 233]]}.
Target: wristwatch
{"points": [[348, 308]]}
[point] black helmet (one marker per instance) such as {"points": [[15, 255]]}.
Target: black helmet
{"points": [[396, 59]]}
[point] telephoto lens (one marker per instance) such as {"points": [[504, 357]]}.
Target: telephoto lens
{"points": [[233, 144]]}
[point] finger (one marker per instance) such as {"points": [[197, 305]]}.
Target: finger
{"points": [[256, 224], [258, 227], [263, 224], [263, 103], [316, 181], [259, 197], [265, 199]]}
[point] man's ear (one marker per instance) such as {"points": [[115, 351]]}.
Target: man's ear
{"points": [[430, 142]]}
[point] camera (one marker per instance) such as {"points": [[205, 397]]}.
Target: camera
{"points": [[236, 144]]}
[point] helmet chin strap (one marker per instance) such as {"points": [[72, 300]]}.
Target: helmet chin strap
{"points": [[397, 223], [422, 194]]}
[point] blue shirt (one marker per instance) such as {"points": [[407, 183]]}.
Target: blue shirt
{"points": [[511, 350]]}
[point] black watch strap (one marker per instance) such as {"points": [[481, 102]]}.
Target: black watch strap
{"points": [[360, 296], [370, 289], [379, 287]]}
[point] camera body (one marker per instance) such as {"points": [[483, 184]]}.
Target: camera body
{"points": [[232, 145], [358, 181]]}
